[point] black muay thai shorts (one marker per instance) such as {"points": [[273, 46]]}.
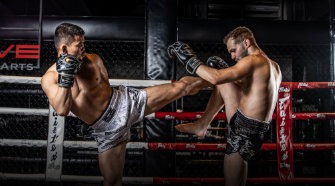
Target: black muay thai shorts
{"points": [[245, 135]]}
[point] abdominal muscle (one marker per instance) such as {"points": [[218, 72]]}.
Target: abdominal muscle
{"points": [[257, 105], [90, 105]]}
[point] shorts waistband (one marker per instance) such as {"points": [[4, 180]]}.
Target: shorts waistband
{"points": [[259, 121], [253, 123]]}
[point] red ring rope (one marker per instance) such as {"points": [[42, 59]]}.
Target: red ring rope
{"points": [[222, 146], [222, 116], [160, 180]]}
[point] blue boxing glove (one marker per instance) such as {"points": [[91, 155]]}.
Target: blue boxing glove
{"points": [[67, 66], [185, 55], [216, 62]]}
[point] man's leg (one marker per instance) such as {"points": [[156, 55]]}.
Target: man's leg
{"points": [[235, 168], [199, 127], [161, 95], [111, 163], [230, 94], [227, 94]]}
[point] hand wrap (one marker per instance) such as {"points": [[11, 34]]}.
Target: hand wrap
{"points": [[67, 66], [185, 55], [216, 62]]}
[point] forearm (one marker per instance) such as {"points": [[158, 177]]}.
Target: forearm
{"points": [[62, 101], [184, 53], [67, 66], [212, 75]]}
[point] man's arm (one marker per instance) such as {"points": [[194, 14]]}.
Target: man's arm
{"points": [[188, 58], [59, 97], [57, 84], [242, 69]]}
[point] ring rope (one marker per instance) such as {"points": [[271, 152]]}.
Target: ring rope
{"points": [[146, 83], [166, 115], [113, 82], [160, 180], [162, 146]]}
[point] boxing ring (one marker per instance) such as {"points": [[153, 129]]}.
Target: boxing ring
{"points": [[55, 141]]}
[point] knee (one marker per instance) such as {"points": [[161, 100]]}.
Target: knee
{"points": [[112, 178], [228, 89], [228, 86], [112, 181]]}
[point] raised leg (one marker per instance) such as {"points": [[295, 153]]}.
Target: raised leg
{"points": [[111, 163], [227, 94], [231, 95], [199, 127], [161, 95]]}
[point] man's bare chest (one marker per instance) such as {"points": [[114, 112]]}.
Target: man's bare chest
{"points": [[243, 84], [89, 76], [88, 82]]}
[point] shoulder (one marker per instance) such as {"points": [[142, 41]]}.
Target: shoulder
{"points": [[51, 71], [254, 61], [93, 57], [259, 58], [276, 66], [50, 76]]}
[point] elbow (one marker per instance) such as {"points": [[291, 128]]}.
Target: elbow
{"points": [[62, 112], [214, 80], [217, 80]]}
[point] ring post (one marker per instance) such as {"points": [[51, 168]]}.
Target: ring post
{"points": [[55, 146], [284, 133]]}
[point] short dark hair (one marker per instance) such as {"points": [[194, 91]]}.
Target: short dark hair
{"points": [[239, 34], [66, 32]]}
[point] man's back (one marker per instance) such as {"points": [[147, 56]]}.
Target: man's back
{"points": [[90, 92], [259, 89]]}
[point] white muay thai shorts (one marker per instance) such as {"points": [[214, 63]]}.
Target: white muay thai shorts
{"points": [[126, 107]]}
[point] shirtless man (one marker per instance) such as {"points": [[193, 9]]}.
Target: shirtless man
{"points": [[78, 82], [249, 92]]}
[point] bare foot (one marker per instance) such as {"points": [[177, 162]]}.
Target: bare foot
{"points": [[192, 128]]}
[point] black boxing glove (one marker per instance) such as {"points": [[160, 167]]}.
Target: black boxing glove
{"points": [[67, 66], [216, 62], [185, 55]]}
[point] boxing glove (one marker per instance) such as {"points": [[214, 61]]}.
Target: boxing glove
{"points": [[216, 62], [185, 55], [67, 66]]}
